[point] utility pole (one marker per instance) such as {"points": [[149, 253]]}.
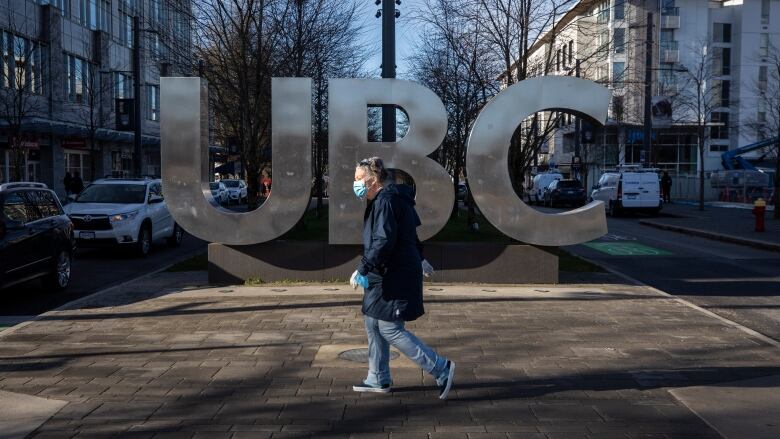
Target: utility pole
{"points": [[137, 151], [648, 132], [577, 128], [388, 14]]}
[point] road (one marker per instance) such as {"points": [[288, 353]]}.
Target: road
{"points": [[93, 270], [736, 282]]}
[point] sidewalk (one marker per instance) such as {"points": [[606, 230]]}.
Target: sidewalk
{"points": [[598, 361], [733, 225]]}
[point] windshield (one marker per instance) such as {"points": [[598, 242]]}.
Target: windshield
{"points": [[214, 186], [230, 183], [113, 193]]}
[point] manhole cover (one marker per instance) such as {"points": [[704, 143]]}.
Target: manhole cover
{"points": [[278, 290], [330, 289], [225, 291], [435, 289], [488, 291], [361, 355]]}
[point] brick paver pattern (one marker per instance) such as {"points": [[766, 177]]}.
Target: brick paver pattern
{"points": [[596, 364]]}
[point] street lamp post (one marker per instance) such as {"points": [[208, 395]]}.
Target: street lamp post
{"points": [[137, 151], [388, 14]]}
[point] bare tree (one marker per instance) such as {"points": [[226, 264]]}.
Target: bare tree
{"points": [[698, 98], [22, 90], [453, 62], [766, 122]]}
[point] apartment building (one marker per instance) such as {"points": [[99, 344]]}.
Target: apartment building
{"points": [[72, 63], [606, 41]]}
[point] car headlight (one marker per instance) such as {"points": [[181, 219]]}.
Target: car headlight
{"points": [[123, 216]]}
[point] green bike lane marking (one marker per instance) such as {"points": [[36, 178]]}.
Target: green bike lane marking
{"points": [[626, 249]]}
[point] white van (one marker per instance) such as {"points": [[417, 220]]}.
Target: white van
{"points": [[538, 185], [625, 189]]}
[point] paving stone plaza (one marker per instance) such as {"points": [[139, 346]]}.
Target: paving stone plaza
{"points": [[163, 357]]}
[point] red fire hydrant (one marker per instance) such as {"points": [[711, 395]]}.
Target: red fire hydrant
{"points": [[759, 207]]}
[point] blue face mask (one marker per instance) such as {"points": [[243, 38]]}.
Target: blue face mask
{"points": [[359, 188]]}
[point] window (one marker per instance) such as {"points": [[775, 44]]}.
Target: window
{"points": [[719, 148], [77, 162], [16, 209], [63, 5], [126, 29], [721, 61], [618, 71], [603, 12], [620, 9], [666, 77], [123, 86], [153, 100], [764, 11], [571, 51], [720, 125], [558, 60], [21, 63], [762, 78], [76, 75], [563, 55], [154, 11], [603, 40], [721, 32], [764, 47], [620, 40], [45, 204], [5, 45], [724, 89]]}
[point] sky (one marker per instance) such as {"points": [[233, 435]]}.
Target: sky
{"points": [[406, 35]]}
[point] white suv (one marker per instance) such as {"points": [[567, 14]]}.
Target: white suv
{"points": [[127, 212]]}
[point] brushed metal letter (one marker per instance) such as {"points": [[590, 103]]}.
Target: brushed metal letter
{"points": [[488, 169], [348, 144], [185, 163]]}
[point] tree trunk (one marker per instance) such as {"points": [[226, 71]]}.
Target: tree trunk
{"points": [[776, 198], [701, 169]]}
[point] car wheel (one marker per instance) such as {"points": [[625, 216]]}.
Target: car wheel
{"points": [[611, 209], [59, 278], [144, 244], [178, 234]]}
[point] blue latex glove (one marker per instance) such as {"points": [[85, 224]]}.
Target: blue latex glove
{"points": [[358, 279]]}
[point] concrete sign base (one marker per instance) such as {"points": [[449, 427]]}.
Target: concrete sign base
{"points": [[319, 262]]}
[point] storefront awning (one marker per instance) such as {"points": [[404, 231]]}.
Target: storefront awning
{"points": [[41, 125]]}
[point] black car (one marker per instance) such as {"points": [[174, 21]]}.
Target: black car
{"points": [[36, 237], [565, 192]]}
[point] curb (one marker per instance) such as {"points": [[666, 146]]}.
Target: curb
{"points": [[76, 302], [714, 236]]}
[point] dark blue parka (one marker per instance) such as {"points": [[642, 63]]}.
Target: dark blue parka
{"points": [[392, 256]]}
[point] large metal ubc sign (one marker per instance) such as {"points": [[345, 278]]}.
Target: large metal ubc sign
{"points": [[185, 165]]}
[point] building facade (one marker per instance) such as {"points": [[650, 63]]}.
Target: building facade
{"points": [[723, 45], [69, 68]]}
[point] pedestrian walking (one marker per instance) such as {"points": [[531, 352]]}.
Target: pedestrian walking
{"points": [[666, 187], [77, 184], [67, 181], [391, 274]]}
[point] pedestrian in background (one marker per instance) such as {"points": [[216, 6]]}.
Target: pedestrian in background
{"points": [[68, 182], [391, 274], [666, 187], [77, 184]]}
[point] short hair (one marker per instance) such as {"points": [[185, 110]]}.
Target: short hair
{"points": [[374, 167]]}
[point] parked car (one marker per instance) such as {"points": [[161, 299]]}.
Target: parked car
{"points": [[629, 189], [565, 192], [236, 190], [36, 237], [123, 212], [219, 192], [539, 183]]}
